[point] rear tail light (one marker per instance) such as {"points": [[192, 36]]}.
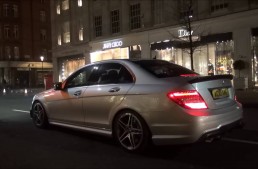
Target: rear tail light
{"points": [[189, 99]]}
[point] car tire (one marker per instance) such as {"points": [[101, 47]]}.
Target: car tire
{"points": [[39, 115], [131, 131]]}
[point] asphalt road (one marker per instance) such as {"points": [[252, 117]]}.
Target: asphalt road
{"points": [[23, 146]]}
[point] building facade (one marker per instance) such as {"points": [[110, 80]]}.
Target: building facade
{"points": [[25, 39], [222, 32]]}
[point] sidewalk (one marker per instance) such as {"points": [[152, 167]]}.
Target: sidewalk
{"points": [[23, 91], [249, 97]]}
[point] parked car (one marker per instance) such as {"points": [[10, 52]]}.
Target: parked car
{"points": [[139, 102]]}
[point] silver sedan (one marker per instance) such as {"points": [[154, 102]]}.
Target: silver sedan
{"points": [[139, 102]]}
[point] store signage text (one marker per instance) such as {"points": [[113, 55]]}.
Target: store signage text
{"points": [[184, 33], [113, 44]]}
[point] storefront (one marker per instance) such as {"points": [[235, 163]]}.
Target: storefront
{"points": [[67, 65], [114, 49], [212, 54]]}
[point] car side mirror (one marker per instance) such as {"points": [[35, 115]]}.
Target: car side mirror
{"points": [[58, 86]]}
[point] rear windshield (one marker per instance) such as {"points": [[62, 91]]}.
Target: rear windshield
{"points": [[164, 69]]}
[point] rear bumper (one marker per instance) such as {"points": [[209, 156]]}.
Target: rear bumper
{"points": [[221, 130], [199, 128]]}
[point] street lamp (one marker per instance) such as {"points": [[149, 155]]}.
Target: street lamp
{"points": [[42, 59]]}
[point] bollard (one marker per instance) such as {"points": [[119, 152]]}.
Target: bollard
{"points": [[4, 91]]}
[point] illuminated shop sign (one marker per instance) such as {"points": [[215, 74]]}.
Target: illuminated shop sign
{"points": [[184, 34], [114, 44]]}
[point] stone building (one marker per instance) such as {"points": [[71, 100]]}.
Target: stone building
{"points": [[25, 37], [223, 31]]}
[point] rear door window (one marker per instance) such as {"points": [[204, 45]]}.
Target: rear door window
{"points": [[164, 69], [112, 73]]}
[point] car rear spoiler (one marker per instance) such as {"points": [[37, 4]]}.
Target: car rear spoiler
{"points": [[207, 78]]}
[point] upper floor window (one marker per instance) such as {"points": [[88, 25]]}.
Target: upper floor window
{"points": [[58, 9], [79, 3], [42, 1], [66, 33], [16, 52], [43, 34], [43, 16], [135, 16], [6, 10], [8, 52], [115, 21], [186, 9], [16, 31], [158, 11], [15, 11], [253, 3], [59, 40], [98, 25], [65, 5], [81, 34], [7, 31], [218, 5]]}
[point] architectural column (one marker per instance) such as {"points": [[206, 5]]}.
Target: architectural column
{"points": [[242, 50], [145, 51]]}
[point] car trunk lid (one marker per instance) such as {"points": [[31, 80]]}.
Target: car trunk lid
{"points": [[217, 91]]}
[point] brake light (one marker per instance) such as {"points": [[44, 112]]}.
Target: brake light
{"points": [[189, 99]]}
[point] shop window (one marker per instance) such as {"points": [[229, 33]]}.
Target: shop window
{"points": [[223, 57], [255, 60], [115, 21], [69, 66], [116, 53], [219, 5], [98, 26], [135, 16]]}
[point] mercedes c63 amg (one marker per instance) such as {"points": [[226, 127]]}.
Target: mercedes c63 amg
{"points": [[139, 102]]}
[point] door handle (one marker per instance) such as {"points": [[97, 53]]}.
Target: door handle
{"points": [[77, 93], [115, 89]]}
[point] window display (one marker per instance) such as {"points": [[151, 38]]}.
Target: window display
{"points": [[255, 60]]}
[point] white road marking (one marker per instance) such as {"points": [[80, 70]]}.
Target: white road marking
{"points": [[240, 141], [24, 111], [226, 139]]}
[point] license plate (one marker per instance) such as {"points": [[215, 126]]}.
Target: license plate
{"points": [[220, 93]]}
